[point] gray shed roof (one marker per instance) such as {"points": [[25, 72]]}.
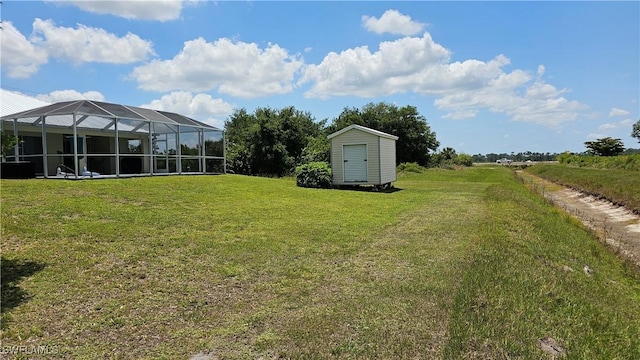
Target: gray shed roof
{"points": [[365, 129]]}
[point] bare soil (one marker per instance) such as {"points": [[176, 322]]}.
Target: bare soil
{"points": [[615, 225]]}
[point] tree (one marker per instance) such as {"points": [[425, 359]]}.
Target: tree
{"points": [[269, 141], [635, 132], [8, 143], [448, 153], [238, 130], [415, 137], [464, 160], [605, 147], [318, 149], [269, 154]]}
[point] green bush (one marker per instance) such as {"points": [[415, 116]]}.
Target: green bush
{"points": [[463, 160], [314, 175], [410, 168]]}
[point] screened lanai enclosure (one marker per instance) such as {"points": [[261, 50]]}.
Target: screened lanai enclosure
{"points": [[84, 138]]}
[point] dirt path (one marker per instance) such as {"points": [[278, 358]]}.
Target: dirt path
{"points": [[617, 226]]}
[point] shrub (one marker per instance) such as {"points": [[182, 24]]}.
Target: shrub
{"points": [[314, 175], [624, 162], [410, 168], [463, 160], [8, 143]]}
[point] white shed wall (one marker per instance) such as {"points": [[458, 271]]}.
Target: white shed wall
{"points": [[381, 157], [387, 160]]}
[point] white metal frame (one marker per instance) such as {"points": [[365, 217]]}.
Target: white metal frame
{"points": [[77, 118]]}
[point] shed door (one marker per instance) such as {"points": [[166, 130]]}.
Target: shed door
{"points": [[355, 163]]}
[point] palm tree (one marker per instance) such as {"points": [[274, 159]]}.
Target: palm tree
{"points": [[448, 153]]}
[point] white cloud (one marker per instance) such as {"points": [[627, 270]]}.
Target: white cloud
{"points": [[461, 114], [443, 78], [19, 57], [607, 126], [22, 57], [618, 112], [501, 95], [541, 91], [87, 44], [69, 95], [392, 69], [422, 66], [234, 68], [394, 22], [201, 107], [160, 10], [626, 123], [541, 70], [595, 136]]}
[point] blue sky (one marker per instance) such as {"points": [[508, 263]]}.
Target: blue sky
{"points": [[488, 76]]}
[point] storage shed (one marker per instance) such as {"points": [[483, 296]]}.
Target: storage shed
{"points": [[363, 156]]}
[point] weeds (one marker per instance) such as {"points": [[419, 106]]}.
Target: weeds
{"points": [[619, 186]]}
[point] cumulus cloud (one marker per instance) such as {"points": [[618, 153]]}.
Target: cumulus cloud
{"points": [[618, 112], [462, 88], [358, 71], [159, 10], [234, 68], [87, 44], [201, 107], [502, 95], [70, 95], [394, 22], [541, 91], [20, 58]]}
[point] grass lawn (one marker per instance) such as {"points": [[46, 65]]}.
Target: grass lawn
{"points": [[458, 264]]}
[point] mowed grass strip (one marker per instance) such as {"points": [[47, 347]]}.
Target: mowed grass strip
{"points": [[617, 185], [244, 267], [538, 274]]}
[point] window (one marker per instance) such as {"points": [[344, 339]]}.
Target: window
{"points": [[134, 146]]}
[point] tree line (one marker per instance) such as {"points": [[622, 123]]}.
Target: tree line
{"points": [[606, 146], [273, 142]]}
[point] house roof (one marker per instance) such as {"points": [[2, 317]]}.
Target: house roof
{"points": [[365, 129], [95, 113], [13, 102]]}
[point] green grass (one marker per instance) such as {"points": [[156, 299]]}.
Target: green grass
{"points": [[622, 162], [617, 185], [526, 281], [458, 264]]}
